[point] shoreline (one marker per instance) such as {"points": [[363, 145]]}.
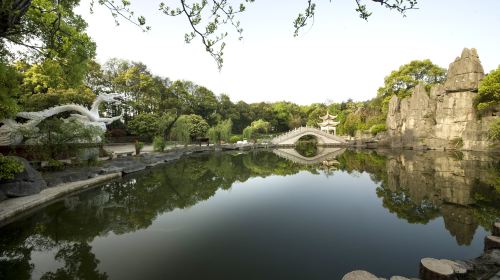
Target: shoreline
{"points": [[15, 208]]}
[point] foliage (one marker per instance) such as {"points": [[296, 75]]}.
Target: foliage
{"points": [[235, 138], [488, 94], [213, 20], [220, 132], [53, 97], [54, 165], [494, 131], [138, 146], [9, 90], [50, 30], [58, 136], [159, 143], [250, 133], [401, 82], [375, 129], [9, 168], [54, 131], [261, 126], [189, 127], [144, 124]]}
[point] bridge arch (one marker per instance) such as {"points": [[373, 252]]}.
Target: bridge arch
{"points": [[291, 137]]}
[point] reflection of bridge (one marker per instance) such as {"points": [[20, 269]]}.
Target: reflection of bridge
{"points": [[323, 154], [292, 136]]}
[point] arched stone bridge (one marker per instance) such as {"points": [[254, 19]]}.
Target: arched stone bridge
{"points": [[323, 154], [289, 138]]}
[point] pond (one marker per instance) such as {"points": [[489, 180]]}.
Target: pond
{"points": [[264, 215]]}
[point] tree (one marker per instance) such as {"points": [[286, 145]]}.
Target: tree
{"points": [[220, 132], [401, 82], [256, 129], [211, 21], [145, 125], [261, 126], [488, 94], [9, 90], [189, 127]]}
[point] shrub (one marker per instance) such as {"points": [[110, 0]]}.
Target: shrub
{"points": [[220, 132], [146, 125], [494, 132], [488, 94], [159, 143], [54, 165], [9, 168], [138, 147], [234, 139], [375, 129]]}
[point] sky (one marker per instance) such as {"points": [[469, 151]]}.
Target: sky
{"points": [[338, 57]]}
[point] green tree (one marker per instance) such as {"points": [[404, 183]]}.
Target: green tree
{"points": [[220, 132], [145, 125], [488, 95], [190, 127], [211, 21], [261, 126], [256, 129], [401, 82], [9, 90]]}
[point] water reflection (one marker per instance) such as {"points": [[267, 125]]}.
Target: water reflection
{"points": [[307, 147], [462, 188]]}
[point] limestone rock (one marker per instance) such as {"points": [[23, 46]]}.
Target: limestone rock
{"points": [[445, 118], [359, 275], [398, 278], [28, 182], [465, 72]]}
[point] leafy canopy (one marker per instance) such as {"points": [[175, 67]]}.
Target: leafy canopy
{"points": [[401, 82], [488, 94]]}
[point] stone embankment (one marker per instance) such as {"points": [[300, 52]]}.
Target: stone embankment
{"points": [[486, 267], [30, 190]]}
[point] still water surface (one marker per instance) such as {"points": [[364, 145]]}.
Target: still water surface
{"points": [[258, 215]]}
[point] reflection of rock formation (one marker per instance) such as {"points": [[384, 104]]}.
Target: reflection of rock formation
{"points": [[460, 222], [447, 181], [444, 117]]}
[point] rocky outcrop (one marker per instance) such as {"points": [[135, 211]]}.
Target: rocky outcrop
{"points": [[444, 117], [28, 182]]}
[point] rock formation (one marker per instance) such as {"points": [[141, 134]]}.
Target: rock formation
{"points": [[443, 118], [25, 183]]}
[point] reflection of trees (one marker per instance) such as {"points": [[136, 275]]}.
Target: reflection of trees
{"points": [[124, 206], [79, 263], [416, 187], [405, 208]]}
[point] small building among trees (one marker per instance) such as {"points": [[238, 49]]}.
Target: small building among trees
{"points": [[328, 123]]}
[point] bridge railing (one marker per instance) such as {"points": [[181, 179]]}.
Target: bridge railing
{"points": [[302, 129]]}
